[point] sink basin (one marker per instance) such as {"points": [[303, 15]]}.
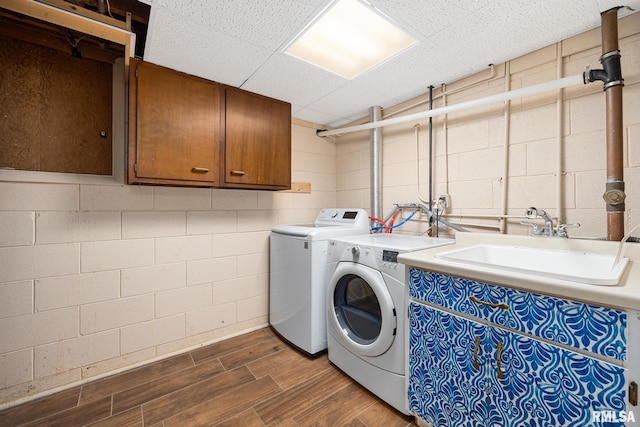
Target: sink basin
{"points": [[583, 267]]}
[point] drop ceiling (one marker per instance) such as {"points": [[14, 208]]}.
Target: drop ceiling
{"points": [[241, 43]]}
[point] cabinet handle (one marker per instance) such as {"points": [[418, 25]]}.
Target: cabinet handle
{"points": [[237, 173], [502, 305], [199, 170], [475, 354], [499, 361]]}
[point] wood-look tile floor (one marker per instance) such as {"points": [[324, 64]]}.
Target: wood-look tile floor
{"points": [[250, 380]]}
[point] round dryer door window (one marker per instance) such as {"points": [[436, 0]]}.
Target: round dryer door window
{"points": [[362, 312]]}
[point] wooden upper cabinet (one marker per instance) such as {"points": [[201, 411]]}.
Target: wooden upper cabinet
{"points": [[257, 143], [174, 127], [188, 131]]}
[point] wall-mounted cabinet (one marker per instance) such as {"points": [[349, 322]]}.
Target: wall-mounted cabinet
{"points": [[257, 147], [184, 130], [175, 123]]}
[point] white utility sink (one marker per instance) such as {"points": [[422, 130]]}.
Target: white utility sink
{"points": [[583, 267]]}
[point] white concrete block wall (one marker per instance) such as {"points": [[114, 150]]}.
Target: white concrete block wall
{"points": [[96, 278], [469, 153]]}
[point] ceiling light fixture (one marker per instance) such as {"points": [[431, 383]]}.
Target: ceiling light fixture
{"points": [[349, 38]]}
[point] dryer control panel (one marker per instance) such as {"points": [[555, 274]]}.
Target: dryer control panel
{"points": [[390, 256]]}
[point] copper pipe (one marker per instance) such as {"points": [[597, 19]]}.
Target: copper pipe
{"points": [[609, 23], [615, 226], [614, 195], [614, 132]]}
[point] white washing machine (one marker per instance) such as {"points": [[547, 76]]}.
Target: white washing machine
{"points": [[366, 310], [298, 275]]}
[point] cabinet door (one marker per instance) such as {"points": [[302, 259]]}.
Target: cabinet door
{"points": [[175, 127], [257, 149], [464, 373], [447, 368], [533, 383]]}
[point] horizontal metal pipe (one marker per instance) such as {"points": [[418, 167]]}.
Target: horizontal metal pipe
{"points": [[458, 225], [501, 97], [482, 216]]}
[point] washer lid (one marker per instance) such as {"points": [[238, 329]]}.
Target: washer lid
{"points": [[330, 222], [313, 232]]}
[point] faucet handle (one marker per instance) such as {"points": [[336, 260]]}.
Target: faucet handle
{"points": [[562, 229], [535, 228]]}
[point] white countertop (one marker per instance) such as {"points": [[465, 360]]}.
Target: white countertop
{"points": [[626, 294]]}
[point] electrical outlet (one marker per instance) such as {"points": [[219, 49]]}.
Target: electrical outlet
{"points": [[446, 200]]}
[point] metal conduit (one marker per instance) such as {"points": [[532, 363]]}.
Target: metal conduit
{"points": [[375, 114]]}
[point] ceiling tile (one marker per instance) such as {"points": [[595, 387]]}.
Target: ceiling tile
{"points": [[202, 51], [289, 79], [352, 102], [266, 23], [428, 18], [412, 72], [528, 27], [321, 118]]}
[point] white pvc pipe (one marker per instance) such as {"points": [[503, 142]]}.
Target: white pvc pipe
{"points": [[504, 194], [501, 97], [375, 114], [559, 137]]}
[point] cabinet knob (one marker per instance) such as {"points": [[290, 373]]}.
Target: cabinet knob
{"points": [[199, 170], [476, 365], [237, 173], [499, 372]]}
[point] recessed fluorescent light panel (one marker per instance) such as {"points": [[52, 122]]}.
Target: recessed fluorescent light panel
{"points": [[349, 39]]}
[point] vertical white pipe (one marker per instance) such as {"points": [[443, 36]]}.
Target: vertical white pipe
{"points": [[559, 137], [505, 160], [375, 115], [445, 140], [431, 151]]}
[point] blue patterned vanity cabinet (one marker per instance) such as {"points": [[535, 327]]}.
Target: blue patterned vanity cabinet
{"points": [[487, 355]]}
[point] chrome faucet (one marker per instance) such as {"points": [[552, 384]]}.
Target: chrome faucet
{"points": [[548, 229]]}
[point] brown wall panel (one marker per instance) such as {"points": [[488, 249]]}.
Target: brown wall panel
{"points": [[53, 108]]}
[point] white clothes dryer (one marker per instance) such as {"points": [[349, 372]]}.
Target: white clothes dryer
{"points": [[298, 275], [367, 310]]}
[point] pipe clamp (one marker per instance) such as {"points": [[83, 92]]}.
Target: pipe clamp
{"points": [[615, 196]]}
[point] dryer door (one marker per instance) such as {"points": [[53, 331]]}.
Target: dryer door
{"points": [[361, 314]]}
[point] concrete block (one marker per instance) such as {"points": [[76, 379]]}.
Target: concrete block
{"points": [[113, 314], [177, 249], [116, 254], [136, 225], [16, 298], [31, 330], [17, 228], [75, 353], [17, 368], [69, 291], [152, 333], [146, 280], [211, 270], [169, 303]]}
